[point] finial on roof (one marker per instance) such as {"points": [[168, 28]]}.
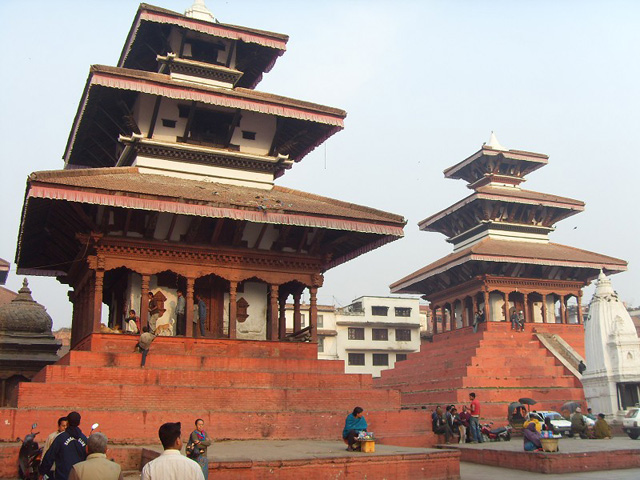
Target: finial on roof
{"points": [[494, 143], [200, 11]]}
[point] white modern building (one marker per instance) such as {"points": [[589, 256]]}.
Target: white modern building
{"points": [[370, 335]]}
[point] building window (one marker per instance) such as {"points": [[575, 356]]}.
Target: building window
{"points": [[356, 334], [321, 344], [403, 335], [248, 135], [403, 312], [380, 359], [356, 359], [379, 311], [401, 357], [302, 320], [380, 334], [320, 322], [168, 123]]}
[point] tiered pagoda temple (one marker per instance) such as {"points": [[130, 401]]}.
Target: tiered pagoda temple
{"points": [[168, 184], [502, 257], [502, 261]]}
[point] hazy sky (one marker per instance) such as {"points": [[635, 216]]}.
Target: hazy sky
{"points": [[423, 82]]}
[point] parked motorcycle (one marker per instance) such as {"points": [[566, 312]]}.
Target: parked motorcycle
{"points": [[495, 434], [29, 456]]}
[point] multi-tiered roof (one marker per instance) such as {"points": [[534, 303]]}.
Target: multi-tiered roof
{"points": [[177, 130], [502, 229]]}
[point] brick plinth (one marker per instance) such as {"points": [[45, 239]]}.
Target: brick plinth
{"points": [[553, 462], [243, 390]]}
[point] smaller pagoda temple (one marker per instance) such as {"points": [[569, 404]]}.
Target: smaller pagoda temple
{"points": [[502, 257]]}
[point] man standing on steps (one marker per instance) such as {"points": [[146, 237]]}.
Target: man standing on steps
{"points": [[474, 421]]}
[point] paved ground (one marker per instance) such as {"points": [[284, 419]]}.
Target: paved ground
{"points": [[566, 445], [268, 450], [472, 471]]}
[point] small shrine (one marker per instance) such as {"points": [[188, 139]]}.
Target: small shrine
{"points": [[612, 350], [26, 342]]}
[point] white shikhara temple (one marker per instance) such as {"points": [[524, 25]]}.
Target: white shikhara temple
{"points": [[612, 379]]}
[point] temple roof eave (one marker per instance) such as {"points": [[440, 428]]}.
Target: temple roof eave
{"points": [[142, 82], [150, 13], [511, 195], [505, 251], [537, 160], [127, 188]]}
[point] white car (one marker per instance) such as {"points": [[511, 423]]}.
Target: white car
{"points": [[631, 423], [559, 423]]}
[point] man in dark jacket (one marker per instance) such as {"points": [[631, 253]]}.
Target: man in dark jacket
{"points": [[69, 448]]}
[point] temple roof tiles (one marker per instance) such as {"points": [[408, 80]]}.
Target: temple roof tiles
{"points": [[509, 251], [129, 185]]}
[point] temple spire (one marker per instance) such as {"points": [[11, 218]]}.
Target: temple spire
{"points": [[494, 143], [200, 11]]}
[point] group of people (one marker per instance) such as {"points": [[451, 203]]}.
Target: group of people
{"points": [[168, 327], [465, 425], [600, 430], [69, 455]]}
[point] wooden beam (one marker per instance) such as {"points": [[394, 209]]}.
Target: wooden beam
{"points": [[154, 116], [237, 234], [127, 223], [122, 130], [260, 235], [174, 220], [217, 230], [151, 224], [303, 239], [194, 227]]}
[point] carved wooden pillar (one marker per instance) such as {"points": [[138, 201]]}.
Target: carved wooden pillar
{"points": [[506, 306], [563, 310], [233, 308], [297, 314], [465, 314], [474, 305], [544, 308], [144, 300], [73, 298], [526, 308], [188, 299], [272, 331], [313, 313], [434, 319], [579, 312], [282, 318], [96, 312], [453, 317], [487, 310]]}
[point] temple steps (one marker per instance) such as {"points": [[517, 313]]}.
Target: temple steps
{"points": [[175, 361], [497, 363], [207, 398], [219, 378]]}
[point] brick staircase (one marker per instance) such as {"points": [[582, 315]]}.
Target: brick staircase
{"points": [[242, 389], [496, 363]]}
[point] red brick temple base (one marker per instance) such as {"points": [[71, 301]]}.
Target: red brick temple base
{"points": [[244, 390]]}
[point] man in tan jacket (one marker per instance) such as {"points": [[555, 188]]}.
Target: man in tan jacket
{"points": [[96, 466]]}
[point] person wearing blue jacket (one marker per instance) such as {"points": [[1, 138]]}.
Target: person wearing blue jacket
{"points": [[68, 448], [353, 425]]}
